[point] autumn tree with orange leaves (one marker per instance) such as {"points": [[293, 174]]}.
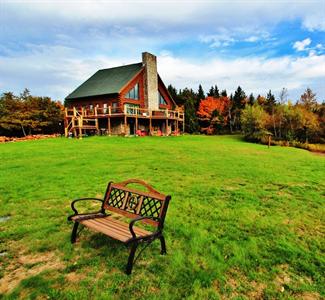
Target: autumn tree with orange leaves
{"points": [[213, 114]]}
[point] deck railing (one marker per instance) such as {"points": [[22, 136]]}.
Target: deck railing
{"points": [[126, 110]]}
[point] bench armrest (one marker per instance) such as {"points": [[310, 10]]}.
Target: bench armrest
{"points": [[102, 210], [139, 219]]}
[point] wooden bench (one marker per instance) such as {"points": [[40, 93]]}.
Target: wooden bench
{"points": [[149, 207]]}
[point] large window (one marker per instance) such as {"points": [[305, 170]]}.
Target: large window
{"points": [[133, 93], [114, 107], [131, 109], [161, 99]]}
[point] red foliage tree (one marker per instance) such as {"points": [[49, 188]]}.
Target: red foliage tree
{"points": [[213, 113]]}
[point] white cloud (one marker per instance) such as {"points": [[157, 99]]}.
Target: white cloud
{"points": [[301, 45], [255, 74], [217, 40], [162, 14], [252, 39], [55, 71], [316, 21]]}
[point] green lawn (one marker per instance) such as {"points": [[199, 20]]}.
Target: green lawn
{"points": [[244, 222]]}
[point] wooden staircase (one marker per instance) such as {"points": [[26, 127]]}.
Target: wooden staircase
{"points": [[78, 124]]}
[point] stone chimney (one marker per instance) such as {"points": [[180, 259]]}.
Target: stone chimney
{"points": [[150, 80]]}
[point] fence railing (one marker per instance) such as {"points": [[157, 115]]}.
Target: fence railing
{"points": [[126, 110]]}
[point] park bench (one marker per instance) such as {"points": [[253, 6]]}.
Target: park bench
{"points": [[123, 201]]}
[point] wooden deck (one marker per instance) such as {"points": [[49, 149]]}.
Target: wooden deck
{"points": [[78, 120]]}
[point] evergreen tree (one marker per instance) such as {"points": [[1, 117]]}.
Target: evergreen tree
{"points": [[230, 113], [224, 93], [191, 121], [270, 102], [173, 92], [239, 101], [216, 92], [239, 98], [211, 92], [251, 99], [200, 96]]}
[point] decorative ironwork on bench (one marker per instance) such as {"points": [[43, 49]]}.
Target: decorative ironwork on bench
{"points": [[134, 203]]}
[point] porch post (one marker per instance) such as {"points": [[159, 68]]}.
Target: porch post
{"points": [[150, 125], [109, 125], [136, 120], [125, 124]]}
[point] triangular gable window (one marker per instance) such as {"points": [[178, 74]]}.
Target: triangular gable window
{"points": [[133, 93], [161, 99]]}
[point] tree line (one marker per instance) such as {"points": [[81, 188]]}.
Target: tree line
{"points": [[24, 114], [257, 117], [212, 113]]}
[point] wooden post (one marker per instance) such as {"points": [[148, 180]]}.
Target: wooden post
{"points": [[136, 121], [109, 126], [167, 126], [150, 123], [66, 111], [80, 132], [269, 141], [183, 123], [109, 110], [66, 124], [125, 124], [82, 111], [74, 111], [80, 124]]}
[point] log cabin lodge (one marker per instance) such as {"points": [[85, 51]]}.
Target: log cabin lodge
{"points": [[126, 100]]}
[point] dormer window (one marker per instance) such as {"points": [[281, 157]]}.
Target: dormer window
{"points": [[161, 99], [133, 93]]}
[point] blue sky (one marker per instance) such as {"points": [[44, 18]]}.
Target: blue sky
{"points": [[51, 47]]}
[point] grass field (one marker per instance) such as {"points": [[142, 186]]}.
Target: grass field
{"points": [[244, 222]]}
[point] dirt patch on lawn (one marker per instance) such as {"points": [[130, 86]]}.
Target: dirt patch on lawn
{"points": [[237, 281], [309, 296], [27, 266], [75, 277], [257, 290]]}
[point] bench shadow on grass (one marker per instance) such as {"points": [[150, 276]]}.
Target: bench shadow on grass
{"points": [[112, 253]]}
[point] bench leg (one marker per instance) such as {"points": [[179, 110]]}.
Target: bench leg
{"points": [[131, 258], [163, 245], [74, 232]]}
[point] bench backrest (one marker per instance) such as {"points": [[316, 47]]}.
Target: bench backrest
{"points": [[133, 203]]}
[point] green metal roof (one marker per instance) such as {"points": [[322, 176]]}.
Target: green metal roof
{"points": [[106, 81]]}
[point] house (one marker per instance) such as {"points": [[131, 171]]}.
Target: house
{"points": [[126, 100]]}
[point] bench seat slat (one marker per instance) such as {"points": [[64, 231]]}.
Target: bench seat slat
{"points": [[114, 228], [99, 228], [125, 227]]}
